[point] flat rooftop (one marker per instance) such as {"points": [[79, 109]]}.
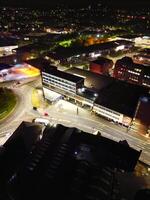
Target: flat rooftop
{"points": [[4, 66], [4, 42], [40, 63], [114, 94], [101, 60], [62, 52], [31, 48], [67, 76], [92, 80], [121, 97]]}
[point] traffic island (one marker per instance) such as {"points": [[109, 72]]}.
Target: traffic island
{"points": [[8, 102]]}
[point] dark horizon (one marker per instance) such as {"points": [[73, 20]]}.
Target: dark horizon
{"points": [[76, 3]]}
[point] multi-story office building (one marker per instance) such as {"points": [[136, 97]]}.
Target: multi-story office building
{"points": [[127, 70], [62, 80], [116, 100], [106, 96]]}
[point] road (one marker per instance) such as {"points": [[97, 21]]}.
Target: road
{"points": [[67, 116], [108, 130]]}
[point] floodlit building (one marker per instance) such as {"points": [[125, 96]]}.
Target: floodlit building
{"points": [[101, 66], [108, 97], [116, 100], [127, 70], [62, 80]]}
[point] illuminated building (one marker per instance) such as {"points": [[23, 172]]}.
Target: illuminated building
{"points": [[108, 97], [101, 66], [61, 80], [63, 55], [127, 70], [17, 72]]}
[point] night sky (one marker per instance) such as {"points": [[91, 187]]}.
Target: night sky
{"points": [[49, 3]]}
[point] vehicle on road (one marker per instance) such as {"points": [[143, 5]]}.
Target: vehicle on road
{"points": [[42, 121], [46, 114]]}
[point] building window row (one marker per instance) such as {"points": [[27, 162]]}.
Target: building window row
{"points": [[137, 70], [146, 76], [108, 110], [69, 88], [132, 72], [59, 82], [146, 84], [133, 79], [99, 111], [57, 78]]}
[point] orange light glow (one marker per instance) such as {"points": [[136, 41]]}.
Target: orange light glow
{"points": [[27, 70]]}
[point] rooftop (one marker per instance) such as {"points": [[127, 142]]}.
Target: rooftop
{"points": [[40, 63], [66, 76], [4, 66], [92, 80], [114, 94], [4, 42], [101, 60], [121, 97], [128, 63], [31, 48], [62, 52], [63, 164]]}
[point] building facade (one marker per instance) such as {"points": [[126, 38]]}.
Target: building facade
{"points": [[62, 81], [101, 66], [127, 70]]}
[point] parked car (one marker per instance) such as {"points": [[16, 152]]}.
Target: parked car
{"points": [[42, 121]]}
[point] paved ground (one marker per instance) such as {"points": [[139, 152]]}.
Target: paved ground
{"points": [[66, 113]]}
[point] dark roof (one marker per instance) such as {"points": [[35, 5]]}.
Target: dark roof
{"points": [[17, 147], [40, 63], [27, 133], [114, 94], [125, 61], [129, 36], [31, 48], [121, 97], [92, 80], [4, 66], [128, 63], [67, 76], [67, 161], [7, 42], [102, 60], [62, 52]]}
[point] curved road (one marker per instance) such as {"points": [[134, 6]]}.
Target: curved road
{"points": [[86, 123]]}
